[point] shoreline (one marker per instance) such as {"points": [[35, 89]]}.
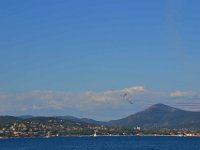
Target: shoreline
{"points": [[80, 136]]}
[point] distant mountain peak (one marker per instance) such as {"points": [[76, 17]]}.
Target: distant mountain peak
{"points": [[160, 105], [163, 107], [160, 115]]}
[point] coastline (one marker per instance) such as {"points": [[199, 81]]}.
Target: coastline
{"points": [[82, 136]]}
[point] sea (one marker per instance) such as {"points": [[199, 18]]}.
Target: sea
{"points": [[102, 143]]}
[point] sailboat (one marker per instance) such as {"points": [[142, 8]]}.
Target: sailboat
{"points": [[95, 133]]}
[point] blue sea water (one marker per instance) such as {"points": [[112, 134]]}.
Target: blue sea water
{"points": [[102, 143]]}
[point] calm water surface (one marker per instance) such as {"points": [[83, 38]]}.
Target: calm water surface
{"points": [[102, 143]]}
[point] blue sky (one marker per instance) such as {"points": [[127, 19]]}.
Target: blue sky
{"points": [[78, 46]]}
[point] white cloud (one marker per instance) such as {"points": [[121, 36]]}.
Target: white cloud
{"points": [[55, 100], [109, 103], [134, 89], [112, 96], [183, 94]]}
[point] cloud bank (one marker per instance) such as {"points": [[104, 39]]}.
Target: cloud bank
{"points": [[103, 105], [183, 94]]}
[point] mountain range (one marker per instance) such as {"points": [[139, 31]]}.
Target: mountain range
{"points": [[156, 116], [161, 116]]}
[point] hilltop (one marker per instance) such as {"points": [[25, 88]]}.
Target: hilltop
{"points": [[160, 116]]}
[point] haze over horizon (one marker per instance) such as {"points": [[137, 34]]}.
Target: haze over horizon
{"points": [[98, 59]]}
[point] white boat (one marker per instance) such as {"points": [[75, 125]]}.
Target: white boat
{"points": [[95, 133]]}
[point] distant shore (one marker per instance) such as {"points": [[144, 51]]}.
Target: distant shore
{"points": [[103, 136]]}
